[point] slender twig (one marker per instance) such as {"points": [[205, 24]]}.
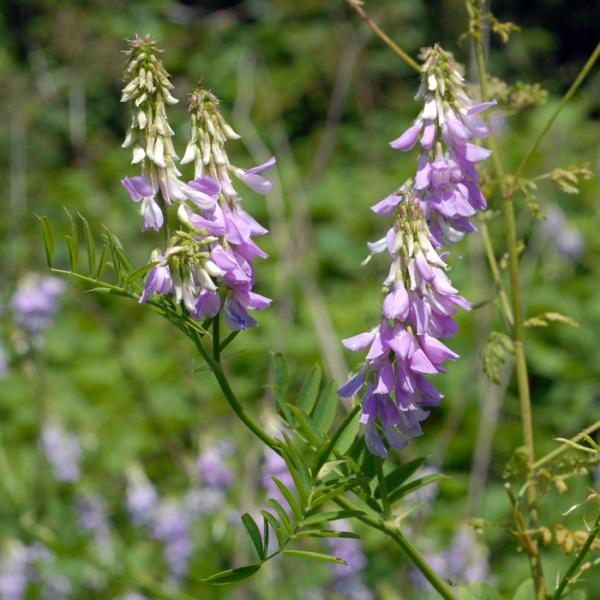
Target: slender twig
{"points": [[517, 329], [566, 98], [566, 578], [385, 500], [230, 396], [558, 451], [357, 6], [216, 338], [406, 546]]}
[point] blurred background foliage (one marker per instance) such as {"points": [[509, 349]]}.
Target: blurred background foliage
{"points": [[308, 82]]}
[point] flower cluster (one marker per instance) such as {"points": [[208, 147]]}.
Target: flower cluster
{"points": [[213, 247], [420, 301]]}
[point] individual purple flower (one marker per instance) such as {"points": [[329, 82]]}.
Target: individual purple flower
{"points": [[172, 527], [140, 189], [159, 279], [253, 178], [62, 450], [35, 303]]}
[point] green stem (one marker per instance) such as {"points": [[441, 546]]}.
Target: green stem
{"points": [[413, 64], [237, 408], [216, 338], [385, 501], [495, 269], [558, 451], [517, 329], [406, 546], [566, 578], [566, 98]]}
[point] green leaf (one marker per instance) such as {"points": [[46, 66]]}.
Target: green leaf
{"points": [[479, 591], [48, 240], [525, 591], [254, 535], [348, 435], [283, 516], [290, 498], [73, 252], [102, 263], [334, 515], [91, 245], [326, 406], [139, 273], [323, 454], [310, 390], [314, 556], [409, 488], [277, 528], [309, 432], [398, 476], [281, 385], [326, 533], [231, 575]]}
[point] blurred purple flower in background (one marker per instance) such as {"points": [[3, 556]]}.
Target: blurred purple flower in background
{"points": [[567, 239], [274, 466], [62, 450], [172, 527], [14, 571], [141, 497], [347, 578], [464, 562], [212, 467], [35, 302], [93, 518]]}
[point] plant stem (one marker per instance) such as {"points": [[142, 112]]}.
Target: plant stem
{"points": [[385, 501], [558, 451], [231, 398], [566, 98], [495, 269], [407, 547], [216, 338], [517, 329], [566, 578], [413, 64]]}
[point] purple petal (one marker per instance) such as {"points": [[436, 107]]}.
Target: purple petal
{"points": [[419, 363], [153, 216], [408, 139], [387, 205], [359, 342], [479, 108], [428, 136], [269, 164], [138, 188], [354, 383], [395, 305], [474, 153], [254, 181]]}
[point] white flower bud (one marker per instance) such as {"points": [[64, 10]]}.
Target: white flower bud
{"points": [[158, 153], [138, 155], [189, 155], [213, 269], [142, 119]]}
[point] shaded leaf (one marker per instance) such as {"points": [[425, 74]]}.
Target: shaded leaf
{"points": [[324, 413], [254, 534], [309, 390], [231, 575], [314, 556], [412, 486], [398, 476]]}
